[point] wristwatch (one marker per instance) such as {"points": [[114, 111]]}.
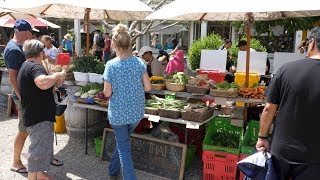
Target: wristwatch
{"points": [[263, 137]]}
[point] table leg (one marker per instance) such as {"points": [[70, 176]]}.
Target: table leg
{"points": [[86, 132]]}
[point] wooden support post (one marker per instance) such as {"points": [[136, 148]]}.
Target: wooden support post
{"points": [[88, 30]]}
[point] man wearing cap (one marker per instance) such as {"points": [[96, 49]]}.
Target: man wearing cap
{"points": [[14, 58], [154, 66], [97, 50]]}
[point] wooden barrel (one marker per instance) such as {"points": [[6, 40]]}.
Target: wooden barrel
{"points": [[5, 85], [76, 118]]}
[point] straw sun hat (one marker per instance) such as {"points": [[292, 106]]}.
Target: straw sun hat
{"points": [[68, 37]]}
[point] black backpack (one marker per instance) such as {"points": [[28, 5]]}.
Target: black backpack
{"points": [[100, 42]]}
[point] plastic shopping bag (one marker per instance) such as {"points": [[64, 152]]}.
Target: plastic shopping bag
{"points": [[259, 166]]}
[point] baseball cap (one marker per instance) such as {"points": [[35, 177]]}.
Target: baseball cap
{"points": [[242, 43], [144, 49], [24, 25]]}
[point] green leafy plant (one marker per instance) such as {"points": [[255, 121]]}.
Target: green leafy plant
{"points": [[99, 67], [2, 64], [213, 42], [84, 64]]}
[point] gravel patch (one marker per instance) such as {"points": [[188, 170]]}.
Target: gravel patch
{"points": [[70, 151]]}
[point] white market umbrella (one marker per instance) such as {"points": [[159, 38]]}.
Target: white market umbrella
{"points": [[79, 9], [235, 10], [8, 14]]}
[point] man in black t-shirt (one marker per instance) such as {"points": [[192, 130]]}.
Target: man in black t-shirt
{"points": [[294, 95], [14, 58]]}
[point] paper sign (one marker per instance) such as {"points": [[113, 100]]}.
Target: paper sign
{"points": [[192, 126], [258, 61], [220, 101], [213, 60], [169, 93], [281, 58], [154, 118]]}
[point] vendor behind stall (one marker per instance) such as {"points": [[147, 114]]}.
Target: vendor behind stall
{"points": [[153, 65]]}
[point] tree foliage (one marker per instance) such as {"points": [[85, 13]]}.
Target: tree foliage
{"points": [[290, 24], [213, 42]]}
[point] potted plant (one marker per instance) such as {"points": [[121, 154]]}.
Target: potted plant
{"points": [[95, 76], [82, 66]]}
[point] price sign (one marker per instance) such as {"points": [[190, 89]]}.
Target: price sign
{"points": [[192, 126], [220, 101], [154, 118]]}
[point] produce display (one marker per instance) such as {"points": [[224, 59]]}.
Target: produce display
{"points": [[2, 63], [89, 91], [197, 107], [177, 78], [226, 86], [59, 68], [156, 80], [156, 102], [255, 92], [87, 64], [225, 89], [224, 139]]}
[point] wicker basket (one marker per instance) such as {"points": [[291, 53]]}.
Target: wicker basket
{"points": [[197, 89], [224, 93], [151, 111], [173, 114], [175, 87], [158, 86], [82, 100], [102, 103], [197, 116]]}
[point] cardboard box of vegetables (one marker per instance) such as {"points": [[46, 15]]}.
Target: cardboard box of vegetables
{"points": [[176, 82], [87, 93], [222, 136]]}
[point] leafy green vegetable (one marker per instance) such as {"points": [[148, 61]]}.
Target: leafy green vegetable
{"points": [[225, 85], [99, 67], [84, 64], [225, 139], [2, 63], [157, 102]]}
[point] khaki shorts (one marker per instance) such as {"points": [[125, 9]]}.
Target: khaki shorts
{"points": [[21, 127]]}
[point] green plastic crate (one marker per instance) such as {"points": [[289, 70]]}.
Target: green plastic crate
{"points": [[98, 142], [190, 155], [250, 135], [221, 124]]}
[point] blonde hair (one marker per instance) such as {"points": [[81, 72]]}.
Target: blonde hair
{"points": [[121, 37]]}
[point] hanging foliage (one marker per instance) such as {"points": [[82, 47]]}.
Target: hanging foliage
{"points": [[291, 24]]}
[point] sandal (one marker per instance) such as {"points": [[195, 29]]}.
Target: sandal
{"points": [[56, 162], [22, 170]]}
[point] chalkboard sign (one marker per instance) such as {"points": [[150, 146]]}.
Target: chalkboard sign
{"points": [[151, 155], [5, 105]]}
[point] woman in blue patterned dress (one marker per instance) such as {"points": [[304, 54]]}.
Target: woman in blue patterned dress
{"points": [[125, 81]]}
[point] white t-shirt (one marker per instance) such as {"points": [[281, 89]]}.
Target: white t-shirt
{"points": [[52, 53]]}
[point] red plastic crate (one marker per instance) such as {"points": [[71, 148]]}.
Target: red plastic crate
{"points": [[214, 75], [63, 59], [242, 156], [219, 165]]}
